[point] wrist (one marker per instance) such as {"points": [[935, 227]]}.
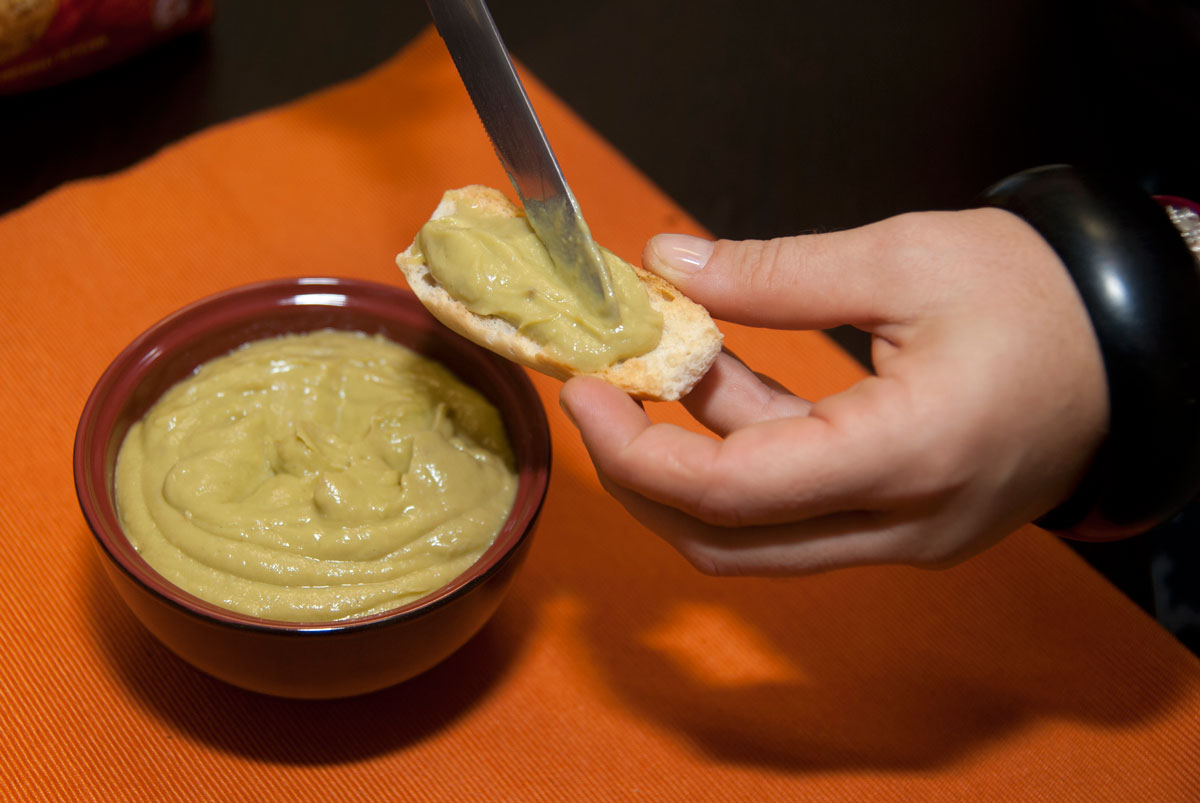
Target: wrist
{"points": [[1141, 287]]}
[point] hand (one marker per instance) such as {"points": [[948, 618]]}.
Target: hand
{"points": [[988, 401]]}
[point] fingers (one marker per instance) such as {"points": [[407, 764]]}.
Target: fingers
{"points": [[609, 422], [790, 282], [814, 281], [970, 426], [731, 396], [775, 518], [772, 471], [817, 545]]}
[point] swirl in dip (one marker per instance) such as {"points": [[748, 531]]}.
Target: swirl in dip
{"points": [[315, 477]]}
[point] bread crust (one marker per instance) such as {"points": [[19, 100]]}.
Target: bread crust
{"points": [[690, 339]]}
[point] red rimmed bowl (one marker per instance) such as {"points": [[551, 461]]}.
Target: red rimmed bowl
{"points": [[323, 660]]}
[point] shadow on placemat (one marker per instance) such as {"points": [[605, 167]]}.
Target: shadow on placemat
{"points": [[301, 732], [883, 668]]}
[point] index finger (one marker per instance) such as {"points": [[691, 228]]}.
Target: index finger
{"points": [[775, 471], [731, 396]]}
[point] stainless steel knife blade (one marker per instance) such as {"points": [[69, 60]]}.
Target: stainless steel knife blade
{"points": [[487, 72]]}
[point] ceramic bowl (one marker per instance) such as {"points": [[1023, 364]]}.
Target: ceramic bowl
{"points": [[283, 658]]}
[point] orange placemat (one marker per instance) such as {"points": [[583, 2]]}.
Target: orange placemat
{"points": [[613, 671]]}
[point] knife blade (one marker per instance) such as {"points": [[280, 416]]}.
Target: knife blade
{"points": [[487, 72]]}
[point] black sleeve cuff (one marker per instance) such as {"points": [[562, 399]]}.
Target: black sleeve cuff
{"points": [[1141, 287]]}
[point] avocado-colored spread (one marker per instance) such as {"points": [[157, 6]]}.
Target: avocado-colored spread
{"points": [[497, 266], [315, 477]]}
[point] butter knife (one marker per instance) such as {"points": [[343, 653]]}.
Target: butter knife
{"points": [[487, 72]]}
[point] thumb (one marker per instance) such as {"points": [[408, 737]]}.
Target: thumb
{"points": [[814, 281]]}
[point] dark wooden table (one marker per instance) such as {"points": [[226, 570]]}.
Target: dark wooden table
{"points": [[761, 118]]}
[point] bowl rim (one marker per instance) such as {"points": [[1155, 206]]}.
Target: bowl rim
{"points": [[318, 291]]}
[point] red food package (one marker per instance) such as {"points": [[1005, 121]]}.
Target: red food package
{"points": [[44, 42]]}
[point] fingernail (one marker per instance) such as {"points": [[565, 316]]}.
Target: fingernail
{"points": [[681, 253]]}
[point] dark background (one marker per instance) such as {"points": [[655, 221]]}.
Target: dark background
{"points": [[760, 118]]}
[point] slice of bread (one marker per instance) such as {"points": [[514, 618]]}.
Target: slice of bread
{"points": [[690, 340]]}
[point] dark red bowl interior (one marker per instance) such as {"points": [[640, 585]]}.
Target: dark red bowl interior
{"points": [[175, 346]]}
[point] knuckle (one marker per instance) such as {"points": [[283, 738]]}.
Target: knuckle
{"points": [[937, 556], [765, 264], [934, 551], [914, 230], [705, 561], [939, 474], [718, 560], [714, 509], [909, 242]]}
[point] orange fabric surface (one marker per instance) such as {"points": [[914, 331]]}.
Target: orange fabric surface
{"points": [[613, 671]]}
